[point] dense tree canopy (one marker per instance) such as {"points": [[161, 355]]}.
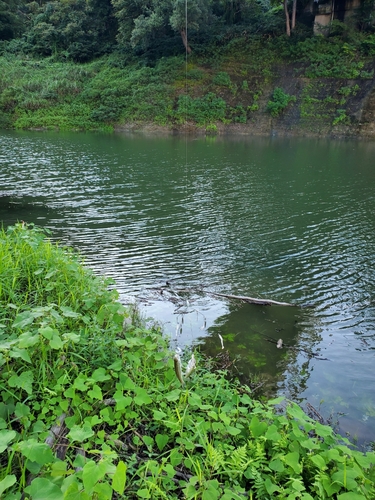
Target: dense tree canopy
{"points": [[84, 29], [10, 19]]}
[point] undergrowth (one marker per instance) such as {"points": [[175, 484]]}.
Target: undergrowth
{"points": [[221, 85], [91, 407]]}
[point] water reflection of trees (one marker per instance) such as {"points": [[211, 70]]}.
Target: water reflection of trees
{"points": [[250, 334]]}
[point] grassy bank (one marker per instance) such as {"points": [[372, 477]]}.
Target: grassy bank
{"points": [[256, 84], [91, 407]]}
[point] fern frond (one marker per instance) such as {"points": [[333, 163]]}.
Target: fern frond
{"points": [[215, 457]]}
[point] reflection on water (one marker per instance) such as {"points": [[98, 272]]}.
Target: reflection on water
{"points": [[291, 220]]}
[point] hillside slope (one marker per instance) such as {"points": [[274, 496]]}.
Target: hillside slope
{"points": [[314, 86]]}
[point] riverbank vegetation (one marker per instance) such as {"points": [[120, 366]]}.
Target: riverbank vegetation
{"points": [[90, 65], [91, 407]]}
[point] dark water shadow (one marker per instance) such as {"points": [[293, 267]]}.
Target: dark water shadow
{"points": [[25, 208], [262, 342]]}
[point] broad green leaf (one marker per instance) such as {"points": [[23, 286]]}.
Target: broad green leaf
{"points": [[4, 346], [23, 319], [323, 430], [276, 465], [309, 444], [7, 482], [74, 337], [20, 353], [292, 459], [5, 438], [100, 375], [95, 393], [127, 383], [91, 474], [74, 492], [56, 342], [161, 441], [211, 494], [195, 400], [233, 431], [39, 453], [276, 401], [47, 332], [364, 460], [23, 381], [116, 365], [103, 491], [159, 415], [143, 493], [69, 313], [270, 486], [122, 402], [175, 457], [142, 398], [246, 400], [119, 478], [22, 410], [272, 433], [295, 411], [173, 395], [58, 469], [257, 428], [318, 461], [44, 489], [148, 440], [50, 274], [80, 434], [80, 382], [27, 339]]}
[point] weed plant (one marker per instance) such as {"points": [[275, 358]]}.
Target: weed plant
{"points": [[91, 409]]}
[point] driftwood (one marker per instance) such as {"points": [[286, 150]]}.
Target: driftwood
{"points": [[251, 300]]}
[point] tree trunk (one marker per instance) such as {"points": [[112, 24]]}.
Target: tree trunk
{"points": [[287, 20], [294, 12], [185, 41]]}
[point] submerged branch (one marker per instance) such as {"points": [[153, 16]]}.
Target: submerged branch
{"points": [[251, 300]]}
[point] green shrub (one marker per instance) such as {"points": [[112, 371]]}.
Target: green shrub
{"points": [[195, 74], [222, 78], [202, 110], [279, 102]]}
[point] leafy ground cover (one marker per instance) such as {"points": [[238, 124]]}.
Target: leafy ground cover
{"points": [[91, 407], [233, 83]]}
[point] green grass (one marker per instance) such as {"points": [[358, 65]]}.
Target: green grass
{"points": [[126, 428]]}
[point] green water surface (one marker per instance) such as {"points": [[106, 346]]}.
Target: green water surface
{"points": [[286, 219]]}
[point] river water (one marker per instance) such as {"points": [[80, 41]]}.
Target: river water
{"points": [[175, 219]]}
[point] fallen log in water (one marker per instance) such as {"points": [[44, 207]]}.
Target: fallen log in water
{"points": [[251, 300]]}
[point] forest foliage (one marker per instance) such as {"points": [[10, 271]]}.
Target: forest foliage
{"points": [[81, 30], [99, 64]]}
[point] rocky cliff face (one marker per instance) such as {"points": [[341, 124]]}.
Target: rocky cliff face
{"points": [[366, 126]]}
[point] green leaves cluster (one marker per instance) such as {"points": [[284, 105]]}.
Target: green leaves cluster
{"points": [[91, 410], [279, 102]]}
